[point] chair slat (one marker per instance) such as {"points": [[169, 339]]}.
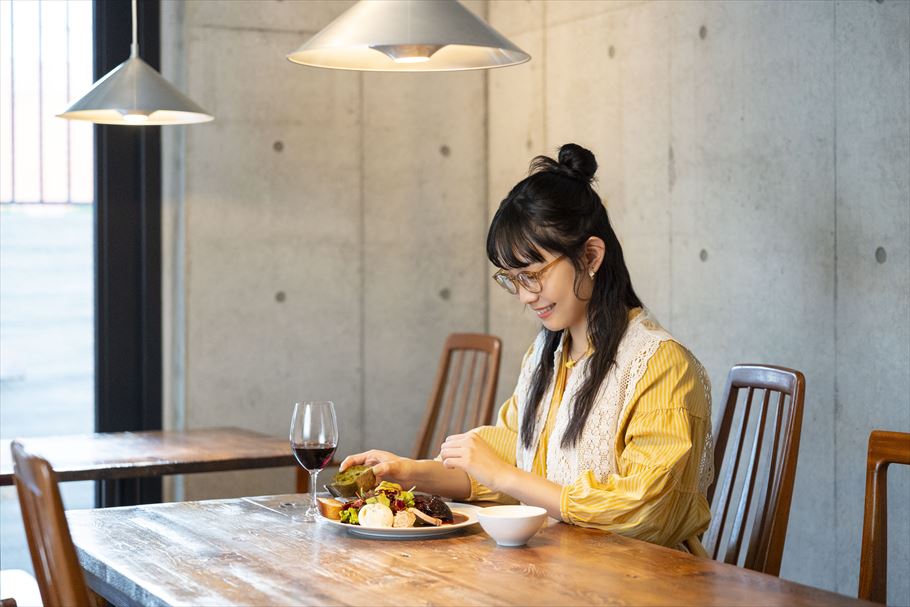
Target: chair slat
{"points": [[458, 421], [745, 502], [477, 418], [758, 543]]}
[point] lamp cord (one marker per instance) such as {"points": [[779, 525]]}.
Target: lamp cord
{"points": [[134, 47]]}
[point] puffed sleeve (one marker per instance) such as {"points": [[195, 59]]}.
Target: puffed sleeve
{"points": [[654, 495]]}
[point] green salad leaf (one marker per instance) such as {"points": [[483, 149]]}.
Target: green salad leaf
{"points": [[379, 499]]}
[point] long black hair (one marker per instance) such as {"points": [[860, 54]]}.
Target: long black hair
{"points": [[555, 208]]}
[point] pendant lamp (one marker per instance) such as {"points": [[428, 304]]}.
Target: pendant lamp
{"points": [[134, 93], [408, 36]]}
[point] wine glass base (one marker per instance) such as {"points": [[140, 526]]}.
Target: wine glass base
{"points": [[300, 513], [310, 516]]}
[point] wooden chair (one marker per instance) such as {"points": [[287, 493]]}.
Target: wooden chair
{"points": [[473, 386], [884, 448], [53, 555], [772, 455]]}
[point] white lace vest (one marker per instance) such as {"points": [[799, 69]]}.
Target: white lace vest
{"points": [[595, 449]]}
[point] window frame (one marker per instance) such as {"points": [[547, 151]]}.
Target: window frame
{"points": [[128, 335]]}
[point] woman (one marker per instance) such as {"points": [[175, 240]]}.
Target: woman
{"points": [[609, 424]]}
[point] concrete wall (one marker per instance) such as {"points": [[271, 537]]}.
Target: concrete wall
{"points": [[755, 156], [326, 232]]}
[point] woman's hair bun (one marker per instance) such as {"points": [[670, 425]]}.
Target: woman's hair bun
{"points": [[577, 162], [574, 161]]}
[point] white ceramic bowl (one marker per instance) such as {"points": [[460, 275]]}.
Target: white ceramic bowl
{"points": [[511, 525]]}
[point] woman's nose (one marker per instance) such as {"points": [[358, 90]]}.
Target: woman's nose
{"points": [[525, 296]]}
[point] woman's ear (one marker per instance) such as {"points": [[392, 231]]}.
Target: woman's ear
{"points": [[594, 255]]}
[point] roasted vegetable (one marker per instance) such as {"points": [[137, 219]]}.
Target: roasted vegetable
{"points": [[356, 480]]}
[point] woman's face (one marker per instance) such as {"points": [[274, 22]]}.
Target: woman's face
{"points": [[556, 305]]}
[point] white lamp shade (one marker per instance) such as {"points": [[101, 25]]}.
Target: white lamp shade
{"points": [[134, 93], [408, 35]]}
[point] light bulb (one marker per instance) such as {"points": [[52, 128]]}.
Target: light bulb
{"points": [[135, 117], [411, 59], [408, 53]]}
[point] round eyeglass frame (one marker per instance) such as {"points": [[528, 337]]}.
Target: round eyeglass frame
{"points": [[529, 281]]}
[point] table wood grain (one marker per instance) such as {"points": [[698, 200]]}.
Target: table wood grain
{"points": [[249, 551], [118, 455]]}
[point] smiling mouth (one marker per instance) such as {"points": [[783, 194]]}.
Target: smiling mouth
{"points": [[545, 311]]}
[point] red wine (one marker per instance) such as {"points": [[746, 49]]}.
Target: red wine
{"points": [[313, 456]]}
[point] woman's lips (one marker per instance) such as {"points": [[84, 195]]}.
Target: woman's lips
{"points": [[545, 311]]}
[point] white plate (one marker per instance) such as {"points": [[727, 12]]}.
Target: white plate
{"points": [[410, 533]]}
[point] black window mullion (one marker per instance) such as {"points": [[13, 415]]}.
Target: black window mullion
{"points": [[127, 254]]}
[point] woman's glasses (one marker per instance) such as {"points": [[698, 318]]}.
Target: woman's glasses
{"points": [[529, 281]]}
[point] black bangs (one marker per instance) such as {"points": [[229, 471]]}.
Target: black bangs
{"points": [[510, 241]]}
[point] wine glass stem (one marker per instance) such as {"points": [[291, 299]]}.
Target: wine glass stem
{"points": [[313, 485]]}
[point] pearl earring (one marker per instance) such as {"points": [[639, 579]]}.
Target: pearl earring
{"points": [[591, 273]]}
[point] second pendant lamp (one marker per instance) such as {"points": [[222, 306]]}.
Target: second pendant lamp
{"points": [[134, 93], [408, 36]]}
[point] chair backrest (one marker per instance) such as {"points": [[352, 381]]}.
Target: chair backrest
{"points": [[463, 392], [884, 448], [53, 554], [770, 459]]}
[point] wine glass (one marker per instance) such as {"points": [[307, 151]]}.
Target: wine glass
{"points": [[314, 437]]}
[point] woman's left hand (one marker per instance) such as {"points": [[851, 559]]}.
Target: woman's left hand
{"points": [[469, 452]]}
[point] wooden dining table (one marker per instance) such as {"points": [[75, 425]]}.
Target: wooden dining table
{"points": [[254, 551], [129, 456]]}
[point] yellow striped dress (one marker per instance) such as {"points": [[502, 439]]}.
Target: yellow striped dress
{"points": [[654, 496]]}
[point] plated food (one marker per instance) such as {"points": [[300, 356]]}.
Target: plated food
{"points": [[388, 510], [388, 505]]}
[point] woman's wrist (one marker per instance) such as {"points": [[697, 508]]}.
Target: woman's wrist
{"points": [[422, 472], [432, 477], [533, 490], [507, 480]]}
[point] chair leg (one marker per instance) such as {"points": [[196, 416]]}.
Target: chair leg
{"points": [[97, 599]]}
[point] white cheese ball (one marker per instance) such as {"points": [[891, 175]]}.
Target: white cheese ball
{"points": [[375, 515]]}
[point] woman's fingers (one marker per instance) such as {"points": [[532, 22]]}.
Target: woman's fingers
{"points": [[351, 460], [454, 456], [381, 470], [458, 440], [367, 458], [447, 452]]}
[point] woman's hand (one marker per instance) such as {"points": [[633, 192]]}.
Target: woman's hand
{"points": [[469, 452], [427, 475], [385, 465]]}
